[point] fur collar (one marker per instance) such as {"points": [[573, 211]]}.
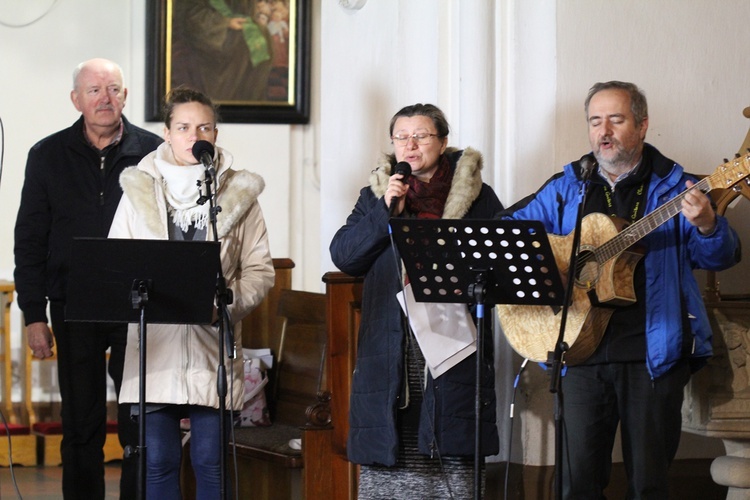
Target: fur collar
{"points": [[239, 189], [465, 188]]}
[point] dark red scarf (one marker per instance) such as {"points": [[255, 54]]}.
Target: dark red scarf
{"points": [[426, 200]]}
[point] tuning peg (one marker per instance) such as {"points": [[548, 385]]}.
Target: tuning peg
{"points": [[736, 155], [726, 161]]}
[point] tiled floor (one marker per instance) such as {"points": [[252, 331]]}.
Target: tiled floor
{"points": [[45, 483]]}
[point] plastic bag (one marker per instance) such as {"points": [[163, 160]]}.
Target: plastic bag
{"points": [[254, 408]]}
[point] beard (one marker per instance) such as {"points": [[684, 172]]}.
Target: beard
{"points": [[618, 160]]}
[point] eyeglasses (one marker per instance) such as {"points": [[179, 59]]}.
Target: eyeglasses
{"points": [[422, 138]]}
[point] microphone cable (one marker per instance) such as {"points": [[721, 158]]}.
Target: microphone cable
{"points": [[510, 425], [41, 16], [231, 419], [2, 415], [226, 325], [10, 454]]}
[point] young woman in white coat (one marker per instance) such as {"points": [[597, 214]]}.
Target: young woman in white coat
{"points": [[160, 202]]}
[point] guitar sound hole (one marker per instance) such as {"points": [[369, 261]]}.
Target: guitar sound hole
{"points": [[587, 271]]}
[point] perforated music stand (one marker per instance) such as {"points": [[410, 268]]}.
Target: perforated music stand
{"points": [[142, 281], [477, 262]]}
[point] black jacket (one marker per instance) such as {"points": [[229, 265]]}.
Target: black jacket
{"points": [[69, 191], [361, 247]]}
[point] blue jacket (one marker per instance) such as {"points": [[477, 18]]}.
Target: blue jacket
{"points": [[362, 247], [668, 265]]}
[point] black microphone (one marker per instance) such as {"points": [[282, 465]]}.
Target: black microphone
{"points": [[588, 162], [403, 168], [203, 151]]}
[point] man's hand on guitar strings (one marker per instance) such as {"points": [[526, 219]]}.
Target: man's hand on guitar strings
{"points": [[697, 209]]}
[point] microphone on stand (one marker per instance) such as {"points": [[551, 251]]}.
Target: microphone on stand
{"points": [[203, 151], [588, 163], [404, 169]]}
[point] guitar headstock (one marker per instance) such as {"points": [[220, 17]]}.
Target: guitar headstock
{"points": [[730, 173]]}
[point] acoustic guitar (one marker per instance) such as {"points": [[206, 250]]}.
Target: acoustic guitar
{"points": [[604, 280]]}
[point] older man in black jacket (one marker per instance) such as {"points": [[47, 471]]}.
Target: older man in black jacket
{"points": [[72, 189]]}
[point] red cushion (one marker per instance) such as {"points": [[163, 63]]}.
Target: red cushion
{"points": [[49, 428], [14, 430]]}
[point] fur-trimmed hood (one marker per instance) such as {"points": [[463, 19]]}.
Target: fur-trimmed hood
{"points": [[465, 188], [237, 191]]}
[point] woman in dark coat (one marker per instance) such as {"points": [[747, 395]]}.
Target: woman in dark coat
{"points": [[413, 435]]}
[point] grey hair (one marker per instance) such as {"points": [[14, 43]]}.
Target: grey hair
{"points": [[638, 104], [79, 68]]}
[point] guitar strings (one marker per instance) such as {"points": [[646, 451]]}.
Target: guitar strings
{"points": [[731, 174], [613, 247]]}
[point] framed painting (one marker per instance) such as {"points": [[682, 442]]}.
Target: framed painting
{"points": [[252, 57]]}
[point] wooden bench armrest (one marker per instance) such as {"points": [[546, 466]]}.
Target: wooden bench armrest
{"points": [[319, 414]]}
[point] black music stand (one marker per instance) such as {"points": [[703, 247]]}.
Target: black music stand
{"points": [[142, 281], [477, 262]]}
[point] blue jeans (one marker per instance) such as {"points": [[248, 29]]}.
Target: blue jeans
{"points": [[164, 451]]}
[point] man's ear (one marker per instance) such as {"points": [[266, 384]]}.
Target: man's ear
{"points": [[74, 99]]}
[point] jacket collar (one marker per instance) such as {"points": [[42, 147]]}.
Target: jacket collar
{"points": [[130, 143], [238, 190], [465, 188], [662, 168]]}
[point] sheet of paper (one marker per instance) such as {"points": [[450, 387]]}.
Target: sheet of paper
{"points": [[446, 333]]}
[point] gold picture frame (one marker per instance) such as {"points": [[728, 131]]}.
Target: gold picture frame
{"points": [[252, 57]]}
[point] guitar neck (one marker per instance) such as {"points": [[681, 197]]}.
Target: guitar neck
{"points": [[725, 176], [637, 231]]}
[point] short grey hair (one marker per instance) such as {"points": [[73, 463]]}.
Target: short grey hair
{"points": [[79, 68], [638, 104]]}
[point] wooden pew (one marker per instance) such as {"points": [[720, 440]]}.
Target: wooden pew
{"points": [[268, 464], [14, 423], [48, 433]]}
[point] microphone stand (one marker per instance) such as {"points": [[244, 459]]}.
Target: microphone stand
{"points": [[478, 292], [226, 333], [556, 358], [139, 300]]}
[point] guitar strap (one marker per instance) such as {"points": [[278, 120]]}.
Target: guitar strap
{"points": [[637, 203]]}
